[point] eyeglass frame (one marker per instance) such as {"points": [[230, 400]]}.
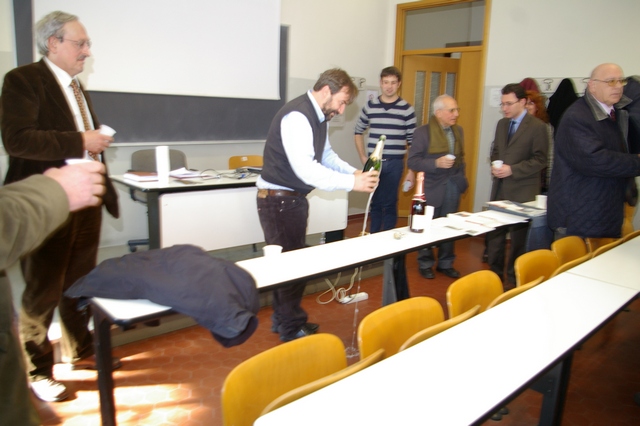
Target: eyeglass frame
{"points": [[79, 44], [612, 82], [510, 104]]}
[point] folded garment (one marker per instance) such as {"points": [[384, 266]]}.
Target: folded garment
{"points": [[216, 293]]}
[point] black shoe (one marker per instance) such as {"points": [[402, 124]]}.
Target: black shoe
{"points": [[450, 272], [304, 331], [427, 273], [311, 325]]}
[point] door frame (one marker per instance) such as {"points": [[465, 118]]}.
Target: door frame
{"points": [[473, 94]]}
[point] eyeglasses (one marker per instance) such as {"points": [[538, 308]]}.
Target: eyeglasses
{"points": [[452, 110], [79, 44], [503, 104], [612, 82]]}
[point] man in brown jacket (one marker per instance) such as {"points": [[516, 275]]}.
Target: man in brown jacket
{"points": [[44, 121]]}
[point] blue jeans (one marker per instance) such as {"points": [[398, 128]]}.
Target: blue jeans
{"points": [[384, 204], [284, 222], [446, 254]]}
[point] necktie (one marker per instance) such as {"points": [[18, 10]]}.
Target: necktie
{"points": [[612, 114], [451, 139], [512, 130], [83, 111]]}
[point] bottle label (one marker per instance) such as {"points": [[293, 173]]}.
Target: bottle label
{"points": [[419, 222]]}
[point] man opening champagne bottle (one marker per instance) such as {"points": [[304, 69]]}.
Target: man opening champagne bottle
{"points": [[298, 158]]}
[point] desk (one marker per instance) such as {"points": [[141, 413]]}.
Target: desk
{"points": [[268, 272], [465, 374], [619, 266], [179, 213]]}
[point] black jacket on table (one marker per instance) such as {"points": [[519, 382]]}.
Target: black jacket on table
{"points": [[219, 295]]}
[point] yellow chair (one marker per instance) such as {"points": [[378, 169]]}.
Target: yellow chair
{"points": [[631, 235], [569, 248], [238, 161], [390, 326], [304, 390], [477, 288], [254, 383], [514, 292], [595, 243], [537, 263], [568, 265], [607, 247], [627, 223], [429, 332]]}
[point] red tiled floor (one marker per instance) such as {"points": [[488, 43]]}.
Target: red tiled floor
{"points": [[176, 378]]}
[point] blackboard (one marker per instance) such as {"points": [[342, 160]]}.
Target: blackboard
{"points": [[168, 118]]}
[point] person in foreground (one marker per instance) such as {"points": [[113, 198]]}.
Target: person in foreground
{"points": [[438, 151], [47, 118], [298, 158], [30, 210], [593, 173]]}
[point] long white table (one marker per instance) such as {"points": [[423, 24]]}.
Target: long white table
{"points": [[466, 373], [221, 213]]}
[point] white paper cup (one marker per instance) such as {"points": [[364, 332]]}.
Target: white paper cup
{"points": [[271, 249], [450, 156], [71, 161], [106, 130], [497, 164], [541, 201]]}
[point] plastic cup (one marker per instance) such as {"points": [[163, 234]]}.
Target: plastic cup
{"points": [[497, 164], [271, 249]]}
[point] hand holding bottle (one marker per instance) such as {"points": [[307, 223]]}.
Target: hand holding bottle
{"points": [[366, 181]]}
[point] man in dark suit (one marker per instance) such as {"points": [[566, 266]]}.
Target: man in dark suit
{"points": [[44, 121], [521, 142], [438, 151]]}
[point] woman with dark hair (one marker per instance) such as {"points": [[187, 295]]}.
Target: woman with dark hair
{"points": [[536, 106]]}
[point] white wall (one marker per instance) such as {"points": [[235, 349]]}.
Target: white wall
{"points": [[552, 38]]}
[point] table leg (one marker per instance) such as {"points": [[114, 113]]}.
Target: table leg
{"points": [[102, 344], [388, 283], [553, 387], [153, 213]]}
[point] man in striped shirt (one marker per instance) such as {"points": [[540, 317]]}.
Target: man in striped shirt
{"points": [[392, 116]]}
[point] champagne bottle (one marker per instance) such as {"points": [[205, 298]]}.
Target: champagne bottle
{"points": [[375, 159], [418, 206]]}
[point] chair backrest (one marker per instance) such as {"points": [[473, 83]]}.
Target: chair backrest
{"points": [[254, 383], [514, 292], [568, 265], [607, 247], [429, 332], [304, 390], [595, 243], [245, 161], [477, 288], [631, 235], [537, 263], [569, 248], [390, 326], [144, 160]]}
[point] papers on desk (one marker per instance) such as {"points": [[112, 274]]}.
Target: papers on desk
{"points": [[181, 173], [477, 223], [517, 208]]}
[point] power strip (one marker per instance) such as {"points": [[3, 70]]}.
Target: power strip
{"points": [[359, 297]]}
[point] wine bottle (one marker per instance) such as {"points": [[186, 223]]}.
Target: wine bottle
{"points": [[418, 206], [374, 162]]}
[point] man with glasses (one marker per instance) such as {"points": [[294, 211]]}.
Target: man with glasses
{"points": [[521, 143], [438, 151], [47, 118], [593, 173]]}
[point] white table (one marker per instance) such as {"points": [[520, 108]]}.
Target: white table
{"points": [[465, 374], [619, 266], [221, 213]]}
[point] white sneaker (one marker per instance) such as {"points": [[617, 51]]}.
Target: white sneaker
{"points": [[49, 390]]}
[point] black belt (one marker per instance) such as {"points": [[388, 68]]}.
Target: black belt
{"points": [[264, 193]]}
